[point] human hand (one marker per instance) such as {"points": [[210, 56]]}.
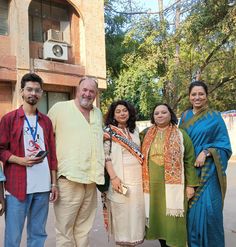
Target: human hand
{"points": [[200, 159], [54, 193], [190, 192], [29, 161], [116, 184]]}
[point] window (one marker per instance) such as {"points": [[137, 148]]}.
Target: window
{"points": [[3, 17], [44, 15], [50, 98]]}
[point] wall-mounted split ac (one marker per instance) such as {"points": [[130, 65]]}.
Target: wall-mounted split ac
{"points": [[55, 50]]}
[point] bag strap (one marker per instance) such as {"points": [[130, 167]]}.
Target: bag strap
{"points": [[110, 132]]}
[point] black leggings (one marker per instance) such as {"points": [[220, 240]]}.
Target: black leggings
{"points": [[163, 243]]}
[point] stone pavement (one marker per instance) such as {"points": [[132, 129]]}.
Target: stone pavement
{"points": [[98, 237]]}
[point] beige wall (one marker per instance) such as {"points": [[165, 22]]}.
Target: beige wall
{"points": [[230, 122], [88, 49], [92, 38]]}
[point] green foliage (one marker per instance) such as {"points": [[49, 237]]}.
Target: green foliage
{"points": [[150, 61], [138, 85]]}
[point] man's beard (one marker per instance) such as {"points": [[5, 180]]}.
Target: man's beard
{"points": [[31, 100], [86, 103]]}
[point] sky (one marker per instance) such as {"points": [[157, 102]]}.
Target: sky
{"points": [[153, 4]]}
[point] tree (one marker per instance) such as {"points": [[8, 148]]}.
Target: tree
{"points": [[161, 59], [209, 35], [116, 26]]}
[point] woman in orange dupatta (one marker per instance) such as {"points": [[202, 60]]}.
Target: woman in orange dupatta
{"points": [[123, 163], [169, 178]]}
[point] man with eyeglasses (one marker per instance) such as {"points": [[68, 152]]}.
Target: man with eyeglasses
{"points": [[29, 177]]}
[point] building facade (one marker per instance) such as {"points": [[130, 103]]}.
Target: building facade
{"points": [[61, 40]]}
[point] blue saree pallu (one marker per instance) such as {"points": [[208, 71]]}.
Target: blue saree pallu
{"points": [[207, 130]]}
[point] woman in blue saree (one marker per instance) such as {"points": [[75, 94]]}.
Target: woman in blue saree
{"points": [[209, 135]]}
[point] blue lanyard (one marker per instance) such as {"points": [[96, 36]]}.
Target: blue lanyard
{"points": [[33, 133]]}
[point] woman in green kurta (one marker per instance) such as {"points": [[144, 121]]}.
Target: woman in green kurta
{"points": [[169, 178]]}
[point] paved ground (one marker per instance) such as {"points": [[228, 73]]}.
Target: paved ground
{"points": [[98, 236]]}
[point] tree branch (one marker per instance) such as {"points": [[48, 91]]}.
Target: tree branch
{"points": [[206, 62], [221, 82], [164, 11]]}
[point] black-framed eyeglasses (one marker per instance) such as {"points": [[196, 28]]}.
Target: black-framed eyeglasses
{"points": [[35, 90]]}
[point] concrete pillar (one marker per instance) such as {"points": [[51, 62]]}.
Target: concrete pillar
{"points": [[19, 33]]}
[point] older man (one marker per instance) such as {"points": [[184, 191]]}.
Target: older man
{"points": [[79, 142]]}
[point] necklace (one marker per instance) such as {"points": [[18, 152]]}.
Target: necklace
{"points": [[161, 132]]}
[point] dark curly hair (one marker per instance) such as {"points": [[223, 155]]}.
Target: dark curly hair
{"points": [[31, 77], [109, 119], [173, 118], [198, 84]]}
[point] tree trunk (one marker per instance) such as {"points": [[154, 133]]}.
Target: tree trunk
{"points": [[177, 60], [160, 5]]}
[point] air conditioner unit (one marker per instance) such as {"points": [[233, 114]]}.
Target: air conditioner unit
{"points": [[55, 50], [54, 35]]}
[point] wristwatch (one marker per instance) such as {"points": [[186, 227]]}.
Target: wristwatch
{"points": [[206, 152]]}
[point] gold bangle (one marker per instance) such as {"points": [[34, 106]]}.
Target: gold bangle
{"points": [[54, 185]]}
